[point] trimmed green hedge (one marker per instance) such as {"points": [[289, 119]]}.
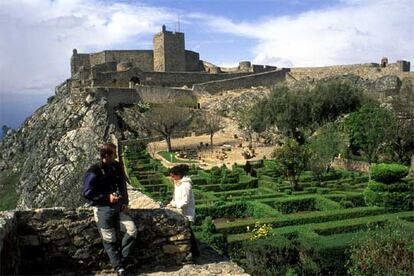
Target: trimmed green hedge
{"points": [[272, 256], [258, 209], [239, 226], [357, 199], [294, 204], [234, 210], [327, 228], [220, 209], [198, 180], [399, 196], [388, 173]]}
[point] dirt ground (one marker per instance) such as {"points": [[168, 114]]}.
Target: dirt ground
{"points": [[209, 158]]}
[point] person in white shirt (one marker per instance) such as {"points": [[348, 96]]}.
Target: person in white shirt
{"points": [[183, 199]]}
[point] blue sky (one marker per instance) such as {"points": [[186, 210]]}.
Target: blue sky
{"points": [[37, 36]]}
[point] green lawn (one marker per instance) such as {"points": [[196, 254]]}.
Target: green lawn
{"points": [[170, 157]]}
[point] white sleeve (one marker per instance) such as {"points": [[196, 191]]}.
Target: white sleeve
{"points": [[183, 195]]}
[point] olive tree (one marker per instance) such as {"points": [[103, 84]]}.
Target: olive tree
{"points": [[166, 120], [370, 129], [292, 159], [324, 145], [211, 123]]}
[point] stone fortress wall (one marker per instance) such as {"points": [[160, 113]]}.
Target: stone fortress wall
{"points": [[367, 70], [259, 79], [61, 241], [169, 64], [171, 79], [151, 94]]}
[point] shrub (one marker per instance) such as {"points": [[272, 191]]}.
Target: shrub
{"points": [[324, 204], [272, 256], [399, 196], [387, 251], [221, 209], [310, 190], [198, 180], [208, 227], [323, 191], [259, 231], [295, 204], [346, 203], [260, 210], [229, 177], [388, 173], [208, 234]]}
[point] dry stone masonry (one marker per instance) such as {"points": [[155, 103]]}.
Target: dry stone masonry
{"points": [[58, 240]]}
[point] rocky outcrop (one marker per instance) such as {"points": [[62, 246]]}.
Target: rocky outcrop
{"points": [[60, 241], [54, 147], [227, 102]]}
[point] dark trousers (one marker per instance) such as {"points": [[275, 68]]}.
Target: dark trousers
{"points": [[195, 251], [110, 222]]}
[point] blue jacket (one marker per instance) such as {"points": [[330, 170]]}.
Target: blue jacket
{"points": [[101, 180]]}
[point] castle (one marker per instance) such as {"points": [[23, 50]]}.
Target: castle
{"points": [[169, 71]]}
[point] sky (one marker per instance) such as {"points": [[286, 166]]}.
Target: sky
{"points": [[37, 36]]}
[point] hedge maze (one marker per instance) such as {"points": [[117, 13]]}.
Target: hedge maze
{"points": [[252, 214], [147, 174]]}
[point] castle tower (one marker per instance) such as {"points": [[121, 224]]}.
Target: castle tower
{"points": [[169, 51], [75, 62]]}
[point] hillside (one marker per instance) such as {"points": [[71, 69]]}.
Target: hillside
{"points": [[52, 149], [55, 145]]}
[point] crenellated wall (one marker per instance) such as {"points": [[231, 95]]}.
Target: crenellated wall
{"points": [[60, 241]]}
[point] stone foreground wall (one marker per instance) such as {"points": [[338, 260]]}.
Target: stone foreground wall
{"points": [[58, 240]]}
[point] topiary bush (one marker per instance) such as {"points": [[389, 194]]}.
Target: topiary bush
{"points": [[208, 234], [397, 195], [272, 256], [388, 173], [228, 176], [387, 251]]}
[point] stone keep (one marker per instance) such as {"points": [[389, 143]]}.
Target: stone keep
{"points": [[169, 51]]}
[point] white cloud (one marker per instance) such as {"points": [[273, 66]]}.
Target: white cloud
{"points": [[350, 32], [37, 37]]}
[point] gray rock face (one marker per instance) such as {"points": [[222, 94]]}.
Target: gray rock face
{"points": [[228, 102], [54, 147], [387, 84]]}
